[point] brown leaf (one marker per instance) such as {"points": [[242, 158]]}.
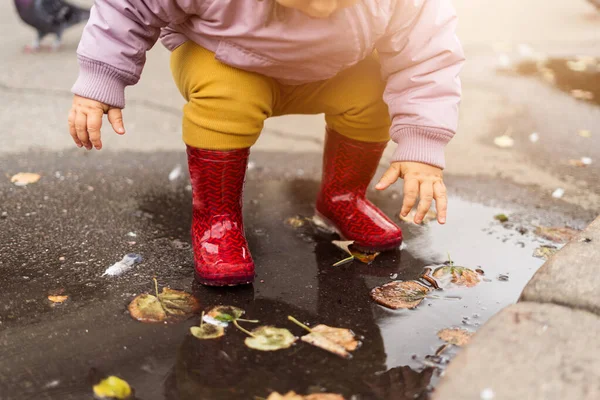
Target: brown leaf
{"points": [[324, 396], [545, 252], [399, 294], [431, 215], [324, 343], [556, 234], [178, 303], [343, 337], [346, 245], [455, 336], [58, 299], [147, 308], [295, 222], [459, 276], [25, 178]]}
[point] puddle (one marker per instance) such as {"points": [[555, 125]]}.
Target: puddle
{"points": [[577, 76], [56, 350]]}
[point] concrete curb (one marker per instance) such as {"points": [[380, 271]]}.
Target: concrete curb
{"points": [[544, 347]]}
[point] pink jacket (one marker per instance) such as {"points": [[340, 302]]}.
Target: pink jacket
{"points": [[416, 41]]}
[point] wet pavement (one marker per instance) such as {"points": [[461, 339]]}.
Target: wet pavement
{"points": [[59, 235]]}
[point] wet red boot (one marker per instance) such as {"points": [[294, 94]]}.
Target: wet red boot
{"points": [[220, 249], [348, 167]]}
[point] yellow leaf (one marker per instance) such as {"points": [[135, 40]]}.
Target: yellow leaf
{"points": [[456, 336], [58, 299], [25, 178], [112, 388], [399, 294]]}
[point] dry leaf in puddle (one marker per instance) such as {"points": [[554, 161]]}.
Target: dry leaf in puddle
{"points": [[582, 94], [178, 303], [223, 315], [431, 215], [556, 234], [455, 336], [207, 331], [400, 294], [295, 222], [346, 245], [545, 252], [459, 276], [294, 396], [112, 388], [25, 178], [338, 341], [501, 217], [269, 338], [147, 308], [58, 299], [504, 141]]}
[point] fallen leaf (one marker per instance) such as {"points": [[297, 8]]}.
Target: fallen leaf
{"points": [[455, 336], [112, 388], [58, 299], [343, 337], [501, 217], [25, 178], [147, 308], [178, 303], [582, 94], [431, 215], [324, 396], [295, 222], [459, 276], [585, 133], [339, 341], [545, 252], [556, 234], [269, 338], [504, 141], [207, 331], [346, 245], [534, 137], [558, 193], [400, 294], [287, 396], [223, 315]]}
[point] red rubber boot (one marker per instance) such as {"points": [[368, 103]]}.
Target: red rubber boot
{"points": [[348, 167], [220, 249]]}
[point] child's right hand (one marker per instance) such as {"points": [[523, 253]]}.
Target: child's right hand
{"points": [[85, 121]]}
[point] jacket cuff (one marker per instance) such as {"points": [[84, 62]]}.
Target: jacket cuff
{"points": [[421, 144], [102, 82]]}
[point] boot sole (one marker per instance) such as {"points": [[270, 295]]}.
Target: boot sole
{"points": [[222, 282], [323, 223]]}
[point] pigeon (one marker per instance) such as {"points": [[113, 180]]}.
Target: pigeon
{"points": [[50, 17]]}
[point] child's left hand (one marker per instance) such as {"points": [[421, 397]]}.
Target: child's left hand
{"points": [[422, 180]]}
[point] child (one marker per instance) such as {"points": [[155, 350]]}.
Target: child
{"points": [[373, 67]]}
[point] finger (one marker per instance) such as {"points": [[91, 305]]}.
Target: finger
{"points": [[411, 190], [425, 199], [72, 130], [441, 201], [115, 117], [390, 176], [94, 123], [81, 129]]}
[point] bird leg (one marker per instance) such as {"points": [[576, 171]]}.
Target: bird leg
{"points": [[35, 46], [56, 45]]}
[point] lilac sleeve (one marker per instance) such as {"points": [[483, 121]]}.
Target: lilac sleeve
{"points": [[421, 57], [112, 49]]}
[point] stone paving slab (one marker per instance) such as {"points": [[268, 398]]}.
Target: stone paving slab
{"points": [[570, 277], [528, 351]]}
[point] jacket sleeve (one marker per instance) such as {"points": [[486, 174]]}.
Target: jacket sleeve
{"points": [[421, 57], [112, 49]]}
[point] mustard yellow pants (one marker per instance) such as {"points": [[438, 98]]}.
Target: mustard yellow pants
{"points": [[226, 107]]}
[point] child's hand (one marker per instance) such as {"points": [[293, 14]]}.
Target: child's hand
{"points": [[85, 121], [421, 180]]}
